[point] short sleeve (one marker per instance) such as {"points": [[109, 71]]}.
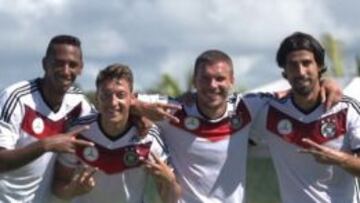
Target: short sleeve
{"points": [[87, 107], [10, 120], [255, 102], [353, 125], [8, 135], [158, 147]]}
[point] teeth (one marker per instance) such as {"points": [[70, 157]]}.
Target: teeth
{"points": [[65, 81]]}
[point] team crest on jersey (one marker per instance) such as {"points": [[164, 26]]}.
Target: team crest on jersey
{"points": [[284, 127], [328, 128], [131, 158], [38, 125], [236, 122], [191, 123], [91, 153]]}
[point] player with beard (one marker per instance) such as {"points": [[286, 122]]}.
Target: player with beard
{"points": [[208, 146], [329, 140], [32, 123]]}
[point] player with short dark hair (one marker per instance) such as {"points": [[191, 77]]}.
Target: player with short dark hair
{"points": [[208, 147], [33, 117], [125, 161], [329, 139]]}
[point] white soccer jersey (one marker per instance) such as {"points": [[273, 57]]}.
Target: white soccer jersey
{"points": [[301, 178], [121, 177], [209, 156], [25, 118]]}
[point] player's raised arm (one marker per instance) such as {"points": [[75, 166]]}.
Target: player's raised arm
{"points": [[65, 142], [14, 158], [327, 155], [165, 178], [154, 110]]}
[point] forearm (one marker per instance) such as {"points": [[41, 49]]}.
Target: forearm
{"points": [[61, 185], [169, 192], [16, 158], [351, 163], [149, 105], [137, 107]]}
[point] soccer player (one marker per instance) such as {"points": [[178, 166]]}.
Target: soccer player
{"points": [[114, 169], [32, 122], [299, 122], [208, 147]]}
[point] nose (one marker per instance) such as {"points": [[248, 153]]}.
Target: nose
{"points": [[114, 100], [212, 83], [66, 69], [300, 70]]}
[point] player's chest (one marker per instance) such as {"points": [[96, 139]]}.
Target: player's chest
{"points": [[39, 122], [322, 129]]}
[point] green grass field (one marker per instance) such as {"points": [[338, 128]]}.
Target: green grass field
{"points": [[261, 185]]}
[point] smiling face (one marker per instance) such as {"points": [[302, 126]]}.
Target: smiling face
{"points": [[302, 72], [62, 67], [213, 83], [114, 98]]}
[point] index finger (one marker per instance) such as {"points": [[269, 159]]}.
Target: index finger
{"points": [[88, 173], [171, 117], [76, 131], [168, 107], [83, 143], [312, 143], [311, 151]]}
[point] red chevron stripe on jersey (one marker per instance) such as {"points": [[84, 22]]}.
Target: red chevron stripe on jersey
{"points": [[40, 126], [113, 161], [319, 131], [214, 131]]}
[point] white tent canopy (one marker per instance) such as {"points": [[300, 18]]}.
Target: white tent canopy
{"points": [[277, 85]]}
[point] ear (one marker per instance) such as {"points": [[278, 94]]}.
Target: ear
{"points": [[284, 75]]}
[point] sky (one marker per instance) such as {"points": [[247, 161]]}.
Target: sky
{"points": [[165, 36]]}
